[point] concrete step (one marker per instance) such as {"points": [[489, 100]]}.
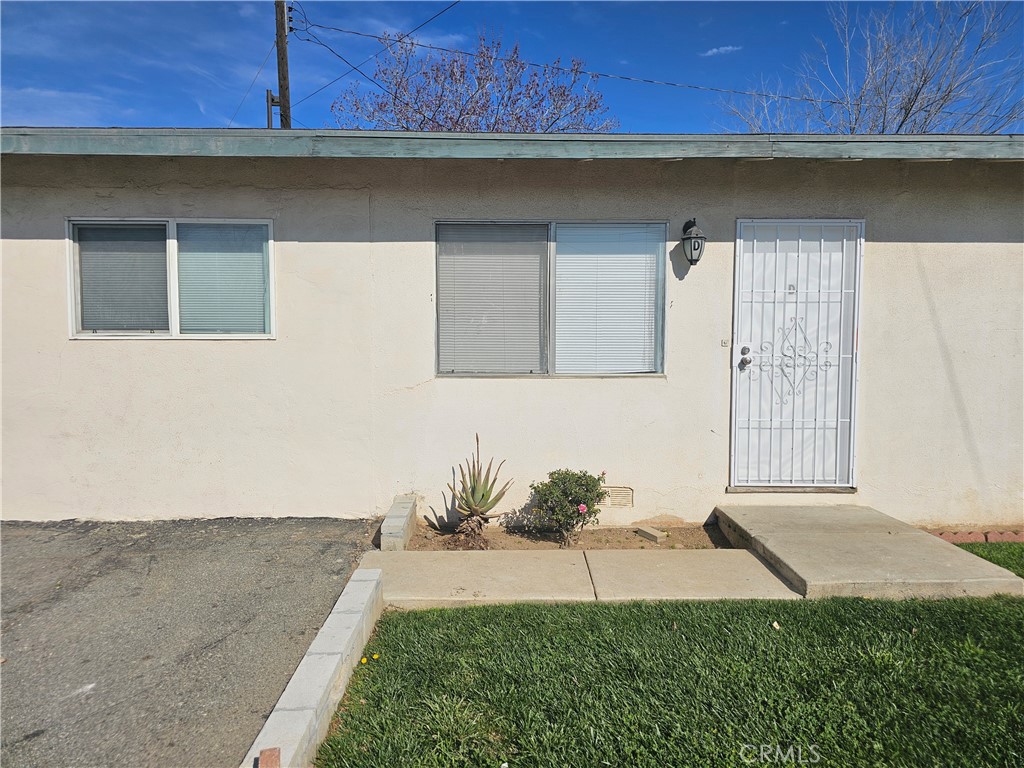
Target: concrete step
{"points": [[860, 552]]}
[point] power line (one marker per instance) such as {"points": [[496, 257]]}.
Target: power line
{"points": [[355, 68], [613, 76], [559, 68], [352, 67], [254, 79]]}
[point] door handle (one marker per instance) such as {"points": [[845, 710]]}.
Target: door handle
{"points": [[745, 361]]}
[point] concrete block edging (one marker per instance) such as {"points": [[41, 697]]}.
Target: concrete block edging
{"points": [[302, 715], [399, 522]]}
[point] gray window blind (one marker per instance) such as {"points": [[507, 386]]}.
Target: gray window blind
{"points": [[223, 278], [608, 288], [491, 297], [123, 273]]}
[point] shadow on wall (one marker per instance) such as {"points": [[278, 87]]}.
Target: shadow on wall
{"points": [[519, 519], [950, 367], [291, 189], [522, 518], [680, 266], [447, 520]]}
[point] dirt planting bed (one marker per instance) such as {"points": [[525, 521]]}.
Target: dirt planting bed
{"points": [[679, 536]]}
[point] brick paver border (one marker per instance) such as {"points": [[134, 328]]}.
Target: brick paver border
{"points": [[978, 537]]}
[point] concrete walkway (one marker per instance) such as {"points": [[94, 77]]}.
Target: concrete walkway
{"points": [[860, 552], [446, 579], [783, 553], [694, 574]]}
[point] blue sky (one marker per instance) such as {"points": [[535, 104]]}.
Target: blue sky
{"points": [[189, 64]]}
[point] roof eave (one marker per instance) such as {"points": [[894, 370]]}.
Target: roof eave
{"points": [[218, 142]]}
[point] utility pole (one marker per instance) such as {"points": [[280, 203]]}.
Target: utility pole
{"points": [[283, 90], [272, 101]]}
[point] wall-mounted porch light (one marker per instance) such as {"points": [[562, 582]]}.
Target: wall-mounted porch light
{"points": [[693, 241]]}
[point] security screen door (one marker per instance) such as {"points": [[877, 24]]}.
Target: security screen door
{"points": [[794, 352]]}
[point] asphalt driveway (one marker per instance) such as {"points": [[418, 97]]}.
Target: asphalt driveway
{"points": [[161, 643]]}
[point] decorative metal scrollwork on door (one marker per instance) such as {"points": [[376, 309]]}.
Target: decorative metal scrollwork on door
{"points": [[791, 360]]}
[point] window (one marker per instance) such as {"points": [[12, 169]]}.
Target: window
{"points": [[123, 274], [172, 278], [582, 299]]}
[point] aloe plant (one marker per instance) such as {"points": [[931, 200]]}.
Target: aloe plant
{"points": [[476, 496]]}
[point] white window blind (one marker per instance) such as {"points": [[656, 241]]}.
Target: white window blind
{"points": [[608, 281], [223, 280], [491, 297], [123, 277]]}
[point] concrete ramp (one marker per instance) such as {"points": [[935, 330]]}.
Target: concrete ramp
{"points": [[859, 552]]}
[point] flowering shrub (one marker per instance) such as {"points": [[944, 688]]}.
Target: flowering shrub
{"points": [[567, 501]]}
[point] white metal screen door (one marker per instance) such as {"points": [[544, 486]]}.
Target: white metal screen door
{"points": [[794, 352]]}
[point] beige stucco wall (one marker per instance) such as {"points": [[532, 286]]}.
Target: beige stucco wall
{"points": [[343, 410]]}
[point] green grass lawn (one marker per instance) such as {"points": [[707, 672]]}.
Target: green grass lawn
{"points": [[1008, 554], [841, 682]]}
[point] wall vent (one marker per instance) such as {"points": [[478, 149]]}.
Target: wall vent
{"points": [[618, 496]]}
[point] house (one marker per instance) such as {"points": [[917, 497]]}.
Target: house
{"points": [[296, 323]]}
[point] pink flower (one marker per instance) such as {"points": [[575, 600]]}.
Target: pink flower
{"points": [[583, 509]]}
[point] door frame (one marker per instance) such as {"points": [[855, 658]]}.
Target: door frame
{"points": [[851, 487]]}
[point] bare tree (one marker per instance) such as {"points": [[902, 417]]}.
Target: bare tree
{"points": [[416, 88], [924, 68]]}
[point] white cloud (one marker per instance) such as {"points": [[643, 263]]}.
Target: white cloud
{"points": [[721, 50], [442, 40], [40, 106], [249, 10], [204, 73], [242, 74]]}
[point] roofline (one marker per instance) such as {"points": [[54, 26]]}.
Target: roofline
{"points": [[259, 142]]}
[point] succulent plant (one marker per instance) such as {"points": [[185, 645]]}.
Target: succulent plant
{"points": [[476, 496]]}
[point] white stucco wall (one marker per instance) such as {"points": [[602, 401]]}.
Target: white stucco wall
{"points": [[343, 410]]}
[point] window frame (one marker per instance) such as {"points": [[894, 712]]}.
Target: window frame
{"points": [[75, 330], [548, 351]]}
